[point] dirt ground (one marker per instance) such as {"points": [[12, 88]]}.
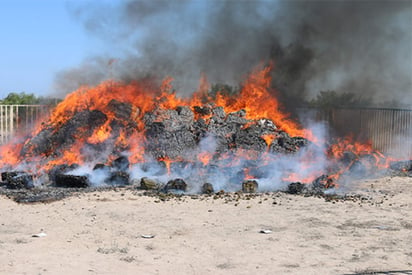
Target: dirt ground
{"points": [[123, 232]]}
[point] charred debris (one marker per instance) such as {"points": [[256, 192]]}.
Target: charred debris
{"points": [[169, 134]]}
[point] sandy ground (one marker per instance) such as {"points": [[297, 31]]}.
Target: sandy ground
{"points": [[101, 233]]}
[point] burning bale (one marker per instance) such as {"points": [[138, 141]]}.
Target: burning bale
{"points": [[17, 180], [175, 185], [54, 139], [178, 134], [61, 169], [118, 178], [250, 186], [207, 188], [149, 184], [71, 181], [295, 188]]}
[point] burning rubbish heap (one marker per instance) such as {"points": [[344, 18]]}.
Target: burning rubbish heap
{"points": [[121, 134]]}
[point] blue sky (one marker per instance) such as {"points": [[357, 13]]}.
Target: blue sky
{"points": [[38, 39], [41, 38]]}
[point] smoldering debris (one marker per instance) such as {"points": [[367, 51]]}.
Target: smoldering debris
{"points": [[176, 134], [174, 140], [17, 180], [401, 168]]}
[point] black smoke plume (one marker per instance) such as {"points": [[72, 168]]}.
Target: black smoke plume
{"points": [[361, 47]]}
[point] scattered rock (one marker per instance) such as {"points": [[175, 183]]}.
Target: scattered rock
{"points": [[39, 235]]}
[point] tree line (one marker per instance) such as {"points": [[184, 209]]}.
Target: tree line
{"points": [[28, 99]]}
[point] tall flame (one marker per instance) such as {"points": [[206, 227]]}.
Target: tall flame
{"points": [[256, 97]]}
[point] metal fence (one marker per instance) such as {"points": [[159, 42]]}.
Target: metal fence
{"points": [[16, 119], [389, 130]]}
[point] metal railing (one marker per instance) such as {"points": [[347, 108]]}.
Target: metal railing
{"points": [[389, 130], [16, 119]]}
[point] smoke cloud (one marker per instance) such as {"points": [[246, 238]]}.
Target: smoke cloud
{"points": [[361, 47]]}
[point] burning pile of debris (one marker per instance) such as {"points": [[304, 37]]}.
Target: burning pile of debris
{"points": [[129, 134], [169, 134]]}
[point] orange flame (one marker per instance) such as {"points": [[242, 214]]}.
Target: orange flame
{"points": [[269, 139], [204, 157], [256, 97]]}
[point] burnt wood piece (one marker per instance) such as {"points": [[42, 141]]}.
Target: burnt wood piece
{"points": [[71, 181], [295, 188], [176, 184], [17, 180], [250, 186]]}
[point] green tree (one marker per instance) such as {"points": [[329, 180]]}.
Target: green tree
{"points": [[27, 99], [19, 98], [330, 99], [223, 89]]}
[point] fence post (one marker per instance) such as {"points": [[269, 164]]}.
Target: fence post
{"points": [[10, 116]]}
